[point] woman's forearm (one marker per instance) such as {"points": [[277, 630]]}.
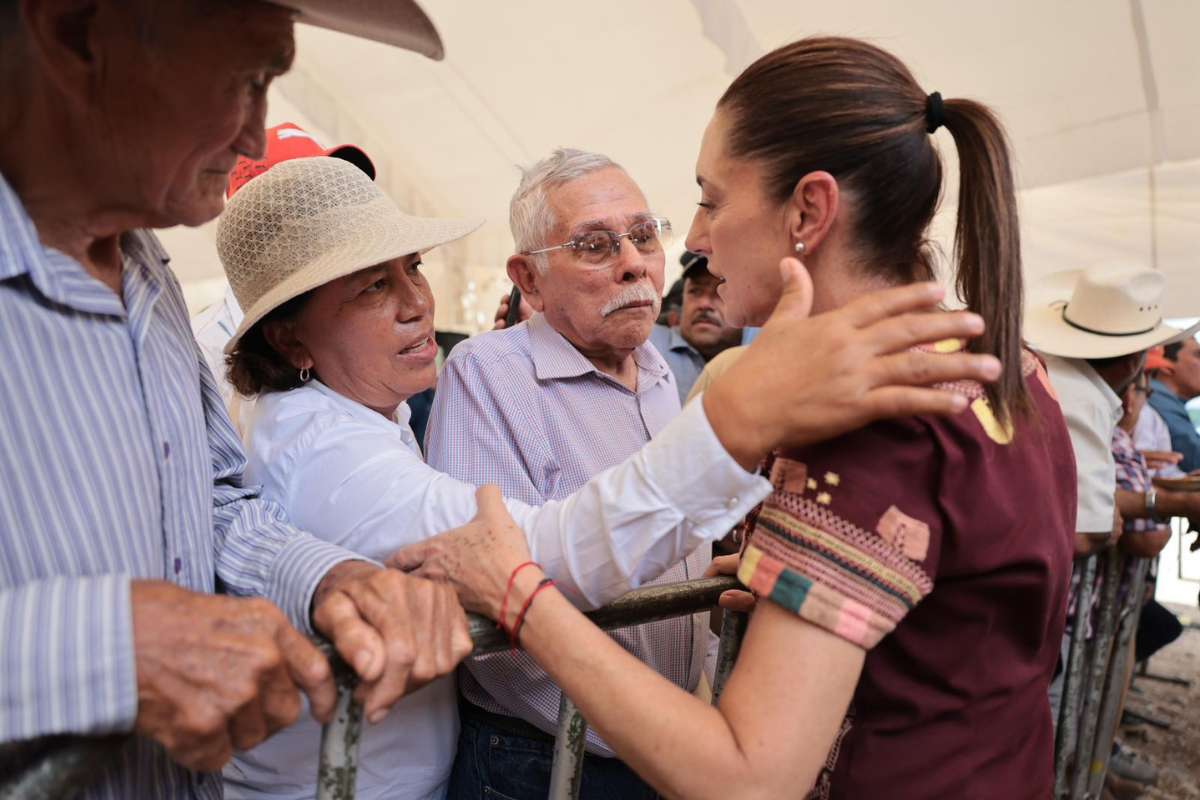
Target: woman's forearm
{"points": [[770, 736]]}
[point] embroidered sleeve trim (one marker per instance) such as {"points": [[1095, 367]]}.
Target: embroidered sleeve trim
{"points": [[829, 571]]}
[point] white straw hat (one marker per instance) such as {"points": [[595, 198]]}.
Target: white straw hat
{"points": [[401, 23], [1104, 311], [307, 221]]}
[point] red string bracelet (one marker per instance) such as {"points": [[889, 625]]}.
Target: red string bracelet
{"points": [[504, 603], [542, 584]]}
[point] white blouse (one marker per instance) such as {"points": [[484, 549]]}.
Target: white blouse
{"points": [[352, 477]]}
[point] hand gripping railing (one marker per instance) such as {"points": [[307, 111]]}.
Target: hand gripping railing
{"points": [[59, 769]]}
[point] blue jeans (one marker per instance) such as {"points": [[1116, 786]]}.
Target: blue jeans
{"points": [[493, 764]]}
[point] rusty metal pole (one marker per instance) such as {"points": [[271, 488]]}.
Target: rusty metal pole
{"points": [[567, 773], [733, 628], [1114, 687], [1067, 718], [1095, 675], [337, 775]]}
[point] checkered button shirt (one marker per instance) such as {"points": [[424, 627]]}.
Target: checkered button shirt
{"points": [[524, 410]]}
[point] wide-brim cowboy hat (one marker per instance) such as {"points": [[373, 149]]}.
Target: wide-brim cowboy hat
{"points": [[308, 221], [1105, 311], [401, 23]]}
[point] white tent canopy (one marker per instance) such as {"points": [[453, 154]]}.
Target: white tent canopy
{"points": [[1101, 99]]}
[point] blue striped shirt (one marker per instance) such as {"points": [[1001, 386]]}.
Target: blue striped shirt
{"points": [[119, 463]]}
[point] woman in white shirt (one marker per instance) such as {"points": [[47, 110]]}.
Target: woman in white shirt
{"points": [[338, 333]]}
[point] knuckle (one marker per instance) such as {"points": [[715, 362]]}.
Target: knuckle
{"points": [[286, 711], [201, 721]]}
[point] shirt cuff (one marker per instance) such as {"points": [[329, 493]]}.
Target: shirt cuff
{"points": [[68, 661], [298, 570], [697, 474]]}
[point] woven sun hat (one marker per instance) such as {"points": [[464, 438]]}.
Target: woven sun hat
{"points": [[308, 221], [400, 23], [1104, 311]]}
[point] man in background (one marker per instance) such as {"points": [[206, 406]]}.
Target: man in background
{"points": [[702, 332]]}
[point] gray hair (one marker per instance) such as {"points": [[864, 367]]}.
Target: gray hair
{"points": [[529, 214]]}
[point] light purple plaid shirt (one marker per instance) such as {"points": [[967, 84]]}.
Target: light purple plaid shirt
{"points": [[523, 409]]}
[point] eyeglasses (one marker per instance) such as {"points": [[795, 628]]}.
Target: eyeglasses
{"points": [[601, 248], [1146, 390]]}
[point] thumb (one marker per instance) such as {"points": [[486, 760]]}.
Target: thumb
{"points": [[797, 297], [409, 558], [490, 502]]}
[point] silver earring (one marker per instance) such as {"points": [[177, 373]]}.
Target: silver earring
{"points": [[799, 247], [305, 375]]}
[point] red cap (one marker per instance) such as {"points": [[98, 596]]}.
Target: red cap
{"points": [[1155, 358], [288, 141]]}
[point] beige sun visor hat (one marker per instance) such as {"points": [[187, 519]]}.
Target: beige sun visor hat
{"points": [[400, 23], [308, 221], [1104, 311]]}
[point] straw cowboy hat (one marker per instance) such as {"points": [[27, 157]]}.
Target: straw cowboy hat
{"points": [[308, 221], [401, 23], [1104, 311]]}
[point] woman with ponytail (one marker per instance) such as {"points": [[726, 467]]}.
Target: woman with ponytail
{"points": [[912, 575]]}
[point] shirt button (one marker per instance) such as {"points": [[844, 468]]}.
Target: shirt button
{"points": [[178, 565], [731, 503], [166, 449]]}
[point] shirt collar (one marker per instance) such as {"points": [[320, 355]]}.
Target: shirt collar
{"points": [[677, 342], [357, 410], [1161, 388], [59, 277], [555, 358]]}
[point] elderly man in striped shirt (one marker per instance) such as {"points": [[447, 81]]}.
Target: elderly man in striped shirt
{"points": [[122, 508], [539, 410]]}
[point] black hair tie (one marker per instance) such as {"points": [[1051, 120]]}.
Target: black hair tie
{"points": [[934, 113]]}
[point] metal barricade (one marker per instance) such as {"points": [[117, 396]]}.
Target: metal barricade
{"points": [[1067, 716], [1100, 672], [63, 770], [1094, 676], [1116, 679]]}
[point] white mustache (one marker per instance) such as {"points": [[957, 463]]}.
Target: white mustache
{"points": [[638, 293]]}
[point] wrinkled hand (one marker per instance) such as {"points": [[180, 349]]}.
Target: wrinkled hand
{"points": [[1159, 459], [807, 379], [397, 632], [216, 673], [524, 312], [476, 559], [734, 599]]}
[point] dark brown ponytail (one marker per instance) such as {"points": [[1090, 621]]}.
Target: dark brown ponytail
{"points": [[987, 247], [855, 111]]}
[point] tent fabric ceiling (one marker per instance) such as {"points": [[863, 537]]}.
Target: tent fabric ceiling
{"points": [[1093, 92]]}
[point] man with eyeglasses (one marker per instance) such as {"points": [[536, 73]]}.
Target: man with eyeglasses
{"points": [[541, 408]]}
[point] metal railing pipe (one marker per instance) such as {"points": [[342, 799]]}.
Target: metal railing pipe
{"points": [[1067, 716], [61, 769]]}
